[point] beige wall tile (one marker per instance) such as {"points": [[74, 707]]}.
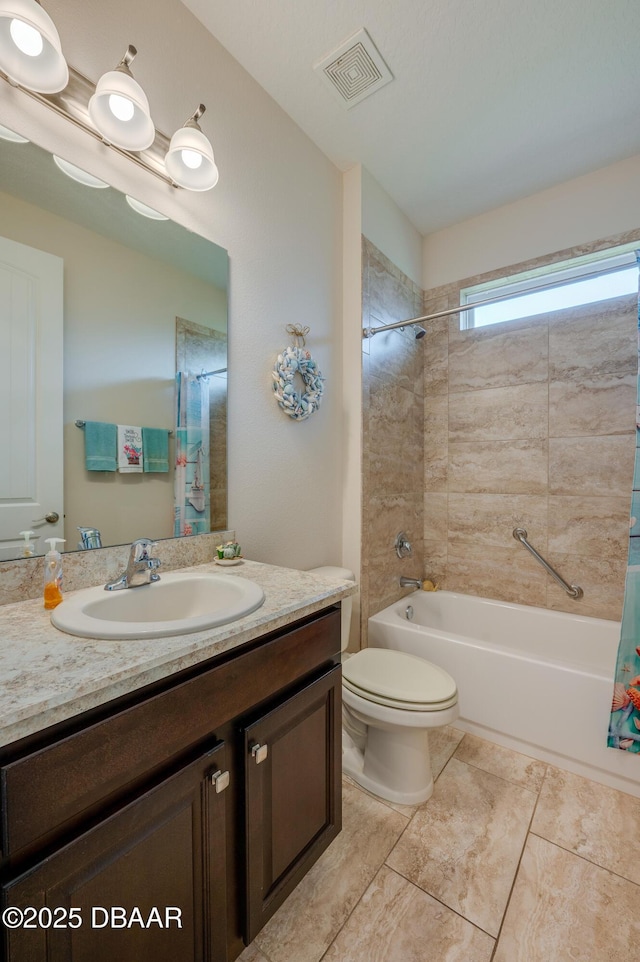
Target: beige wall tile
{"points": [[436, 362], [514, 767], [435, 516], [597, 527], [463, 846], [491, 518], [435, 560], [499, 414], [304, 927], [591, 820], [395, 921], [594, 339], [507, 574], [592, 406], [436, 442], [490, 358], [601, 580], [498, 467], [564, 908], [592, 465]]}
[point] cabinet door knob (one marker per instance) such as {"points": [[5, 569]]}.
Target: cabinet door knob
{"points": [[220, 781], [259, 752]]}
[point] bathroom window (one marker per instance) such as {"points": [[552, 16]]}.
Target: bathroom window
{"points": [[583, 280]]}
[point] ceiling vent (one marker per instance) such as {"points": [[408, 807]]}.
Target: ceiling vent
{"points": [[354, 70]]}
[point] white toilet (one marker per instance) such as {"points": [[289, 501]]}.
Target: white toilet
{"points": [[390, 701]]}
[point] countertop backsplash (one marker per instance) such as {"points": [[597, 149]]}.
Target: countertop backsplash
{"points": [[22, 580]]}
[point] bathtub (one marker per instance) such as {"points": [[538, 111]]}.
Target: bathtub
{"points": [[537, 681]]}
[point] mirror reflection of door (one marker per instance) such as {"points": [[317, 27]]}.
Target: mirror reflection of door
{"points": [[31, 460], [202, 350]]}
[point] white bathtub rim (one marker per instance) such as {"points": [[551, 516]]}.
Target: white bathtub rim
{"points": [[390, 616]]}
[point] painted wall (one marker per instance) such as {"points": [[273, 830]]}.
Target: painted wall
{"points": [[276, 209], [573, 213], [386, 226]]}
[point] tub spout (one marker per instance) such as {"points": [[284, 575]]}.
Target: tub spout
{"points": [[410, 582]]}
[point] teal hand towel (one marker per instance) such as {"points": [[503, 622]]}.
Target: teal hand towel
{"points": [[100, 446], [155, 450]]}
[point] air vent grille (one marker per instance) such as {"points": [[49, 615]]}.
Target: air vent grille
{"points": [[355, 70]]}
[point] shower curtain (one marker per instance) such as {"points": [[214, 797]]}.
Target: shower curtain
{"points": [[192, 506], [624, 728]]}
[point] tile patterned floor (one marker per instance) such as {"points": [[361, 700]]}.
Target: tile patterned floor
{"points": [[510, 860]]}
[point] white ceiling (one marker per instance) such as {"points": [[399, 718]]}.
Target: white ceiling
{"points": [[492, 99]]}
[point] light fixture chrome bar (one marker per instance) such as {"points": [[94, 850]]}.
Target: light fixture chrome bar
{"points": [[71, 104], [574, 591], [370, 331]]}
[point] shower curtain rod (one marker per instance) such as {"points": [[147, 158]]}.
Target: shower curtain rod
{"points": [[370, 331]]}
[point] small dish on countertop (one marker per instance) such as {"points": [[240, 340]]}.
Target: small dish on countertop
{"points": [[228, 561]]}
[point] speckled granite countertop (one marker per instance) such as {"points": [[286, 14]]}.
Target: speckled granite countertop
{"points": [[47, 676]]}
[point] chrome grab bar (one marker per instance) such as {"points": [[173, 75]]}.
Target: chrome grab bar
{"points": [[574, 591]]}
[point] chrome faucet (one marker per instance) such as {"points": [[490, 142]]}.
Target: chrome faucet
{"points": [[410, 582], [141, 567]]}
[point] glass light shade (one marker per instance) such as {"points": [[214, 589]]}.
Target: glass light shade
{"points": [[108, 111], [77, 173], [189, 161], [144, 209], [7, 134], [30, 49]]}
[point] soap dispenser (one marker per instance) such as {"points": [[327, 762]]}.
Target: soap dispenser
{"points": [[52, 574], [28, 547]]}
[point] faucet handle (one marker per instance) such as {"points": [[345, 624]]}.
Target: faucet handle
{"points": [[141, 547]]}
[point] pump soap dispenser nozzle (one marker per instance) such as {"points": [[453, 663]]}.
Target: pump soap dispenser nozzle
{"points": [[52, 574], [28, 549]]}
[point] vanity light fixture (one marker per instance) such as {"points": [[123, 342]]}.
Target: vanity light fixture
{"points": [[7, 134], [30, 48], [189, 160], [119, 108], [114, 111], [144, 209], [77, 173]]}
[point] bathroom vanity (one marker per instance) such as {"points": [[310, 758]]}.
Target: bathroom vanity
{"points": [[171, 820]]}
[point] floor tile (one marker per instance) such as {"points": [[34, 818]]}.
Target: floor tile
{"points": [[304, 927], [464, 844], [565, 909], [252, 954], [442, 744], [396, 922], [516, 768], [406, 810], [594, 821]]}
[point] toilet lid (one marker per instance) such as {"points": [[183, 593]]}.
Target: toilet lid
{"points": [[397, 679]]}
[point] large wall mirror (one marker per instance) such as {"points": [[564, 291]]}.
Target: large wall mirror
{"points": [[100, 307]]}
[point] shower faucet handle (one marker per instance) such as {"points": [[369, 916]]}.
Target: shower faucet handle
{"points": [[403, 545]]}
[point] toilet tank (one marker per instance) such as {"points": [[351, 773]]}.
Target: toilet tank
{"points": [[343, 574]]}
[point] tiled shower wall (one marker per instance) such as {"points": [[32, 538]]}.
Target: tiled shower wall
{"points": [[532, 424], [393, 433]]}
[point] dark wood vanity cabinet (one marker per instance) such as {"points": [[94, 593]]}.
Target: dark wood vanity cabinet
{"points": [[119, 844]]}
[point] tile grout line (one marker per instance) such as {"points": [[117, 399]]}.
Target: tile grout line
{"points": [[440, 902], [517, 871], [584, 858]]}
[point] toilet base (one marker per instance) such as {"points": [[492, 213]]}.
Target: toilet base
{"points": [[399, 759]]}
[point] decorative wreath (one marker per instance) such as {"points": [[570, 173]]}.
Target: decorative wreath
{"points": [[292, 361]]}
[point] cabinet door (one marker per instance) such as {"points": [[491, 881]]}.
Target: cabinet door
{"points": [[162, 855], [293, 787]]}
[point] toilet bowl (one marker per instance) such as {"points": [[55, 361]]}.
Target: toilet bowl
{"points": [[390, 701]]}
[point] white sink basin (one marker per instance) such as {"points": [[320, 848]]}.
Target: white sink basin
{"points": [[181, 602]]}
